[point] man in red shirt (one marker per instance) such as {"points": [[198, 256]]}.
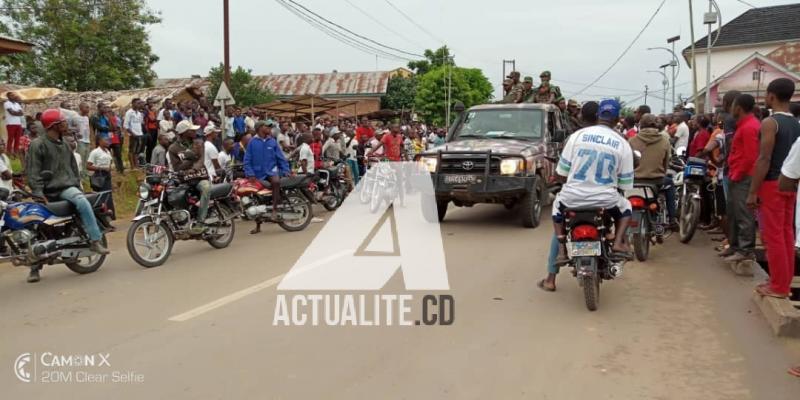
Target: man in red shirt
{"points": [[392, 144], [741, 160], [316, 148], [701, 137], [364, 132]]}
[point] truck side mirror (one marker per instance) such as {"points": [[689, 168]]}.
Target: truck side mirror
{"points": [[559, 135]]}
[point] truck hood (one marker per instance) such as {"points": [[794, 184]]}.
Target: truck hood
{"points": [[509, 146]]}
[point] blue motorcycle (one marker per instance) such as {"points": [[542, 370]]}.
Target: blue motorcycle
{"points": [[35, 234]]}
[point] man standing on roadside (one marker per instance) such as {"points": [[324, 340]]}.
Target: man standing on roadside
{"points": [[744, 151], [775, 207], [682, 131], [132, 125], [14, 117], [80, 124]]}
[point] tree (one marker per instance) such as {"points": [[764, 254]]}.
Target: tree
{"points": [[400, 93], [80, 45], [433, 59], [469, 86], [244, 87]]}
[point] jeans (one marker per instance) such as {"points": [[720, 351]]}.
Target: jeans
{"points": [[552, 268], [85, 211], [669, 194], [353, 164], [741, 222], [204, 187], [776, 215]]}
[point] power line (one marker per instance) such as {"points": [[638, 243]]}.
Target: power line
{"points": [[746, 3], [341, 36], [409, 19], [383, 24], [353, 33], [614, 64]]}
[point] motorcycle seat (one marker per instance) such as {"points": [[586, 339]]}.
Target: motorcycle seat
{"points": [[63, 208], [289, 182], [696, 161], [651, 185], [220, 190]]}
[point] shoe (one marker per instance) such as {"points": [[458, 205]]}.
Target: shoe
{"points": [[34, 275], [727, 252], [98, 248], [197, 229], [738, 257]]}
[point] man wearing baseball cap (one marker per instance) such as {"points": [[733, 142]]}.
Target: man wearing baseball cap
{"points": [[182, 158], [51, 153], [211, 154], [597, 163]]}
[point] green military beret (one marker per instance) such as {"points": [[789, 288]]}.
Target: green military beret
{"points": [[545, 74]]}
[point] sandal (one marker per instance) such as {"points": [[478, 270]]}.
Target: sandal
{"points": [[543, 285], [764, 290], [795, 371]]}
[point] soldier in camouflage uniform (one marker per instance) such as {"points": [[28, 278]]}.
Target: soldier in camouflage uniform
{"points": [[562, 105], [527, 90], [574, 110], [547, 93], [508, 95], [516, 86]]}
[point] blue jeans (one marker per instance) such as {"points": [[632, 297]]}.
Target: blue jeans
{"points": [[552, 268], [76, 197]]}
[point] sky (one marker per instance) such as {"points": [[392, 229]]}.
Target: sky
{"points": [[574, 39]]}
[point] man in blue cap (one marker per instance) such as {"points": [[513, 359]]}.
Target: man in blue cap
{"points": [[597, 163]]}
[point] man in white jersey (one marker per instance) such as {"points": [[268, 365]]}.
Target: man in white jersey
{"points": [[598, 163]]}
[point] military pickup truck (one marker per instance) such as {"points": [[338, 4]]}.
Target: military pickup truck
{"points": [[499, 153]]}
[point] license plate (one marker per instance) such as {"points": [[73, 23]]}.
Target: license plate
{"points": [[584, 249], [460, 179]]}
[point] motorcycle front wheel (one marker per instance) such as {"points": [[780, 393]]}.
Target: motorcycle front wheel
{"points": [[689, 217], [149, 244], [87, 265]]}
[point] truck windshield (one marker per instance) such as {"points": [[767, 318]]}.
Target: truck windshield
{"points": [[511, 123]]}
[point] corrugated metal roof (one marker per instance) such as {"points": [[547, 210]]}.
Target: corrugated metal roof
{"points": [[331, 84]]}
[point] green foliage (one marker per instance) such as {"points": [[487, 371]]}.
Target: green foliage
{"points": [[80, 45], [433, 60], [469, 86], [400, 93], [244, 88]]}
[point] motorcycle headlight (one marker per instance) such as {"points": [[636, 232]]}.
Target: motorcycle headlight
{"points": [[429, 163], [510, 166], [144, 191]]}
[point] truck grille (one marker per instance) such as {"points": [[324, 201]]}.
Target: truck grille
{"points": [[471, 165]]}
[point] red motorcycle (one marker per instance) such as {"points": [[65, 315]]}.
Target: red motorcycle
{"points": [[294, 212]]}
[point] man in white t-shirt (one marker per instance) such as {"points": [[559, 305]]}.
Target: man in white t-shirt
{"points": [[305, 155], [132, 125], [682, 131], [14, 120], [787, 182], [597, 162], [6, 173], [80, 124], [225, 157], [211, 154]]}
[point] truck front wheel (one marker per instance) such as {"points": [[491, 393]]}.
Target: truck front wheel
{"points": [[435, 216], [531, 206]]}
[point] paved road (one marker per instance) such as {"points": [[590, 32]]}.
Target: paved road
{"points": [[677, 327]]}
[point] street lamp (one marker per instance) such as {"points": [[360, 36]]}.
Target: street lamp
{"points": [[674, 63], [664, 83], [710, 18]]}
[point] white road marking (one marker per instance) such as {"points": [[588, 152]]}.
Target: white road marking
{"points": [[195, 312]]}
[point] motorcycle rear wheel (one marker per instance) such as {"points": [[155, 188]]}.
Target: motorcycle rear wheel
{"points": [[334, 200], [591, 291], [229, 227], [641, 240], [88, 265], [299, 203]]}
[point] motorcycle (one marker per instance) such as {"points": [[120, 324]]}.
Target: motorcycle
{"points": [[649, 223], [168, 205], [329, 188], [368, 180], [294, 212], [385, 185], [689, 184], [590, 251], [34, 234]]}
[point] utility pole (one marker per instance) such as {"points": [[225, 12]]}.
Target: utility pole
{"points": [[709, 19], [759, 72], [226, 35], [513, 67], [694, 64], [675, 62], [645, 94], [449, 64]]}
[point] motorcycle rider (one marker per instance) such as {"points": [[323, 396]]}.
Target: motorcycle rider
{"points": [[654, 163], [265, 161], [603, 165], [51, 153], [184, 158]]}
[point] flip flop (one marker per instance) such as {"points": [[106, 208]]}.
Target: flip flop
{"points": [[545, 288], [764, 290], [795, 371]]}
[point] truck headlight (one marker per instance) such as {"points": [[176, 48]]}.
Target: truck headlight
{"points": [[430, 163], [510, 166], [144, 191]]}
